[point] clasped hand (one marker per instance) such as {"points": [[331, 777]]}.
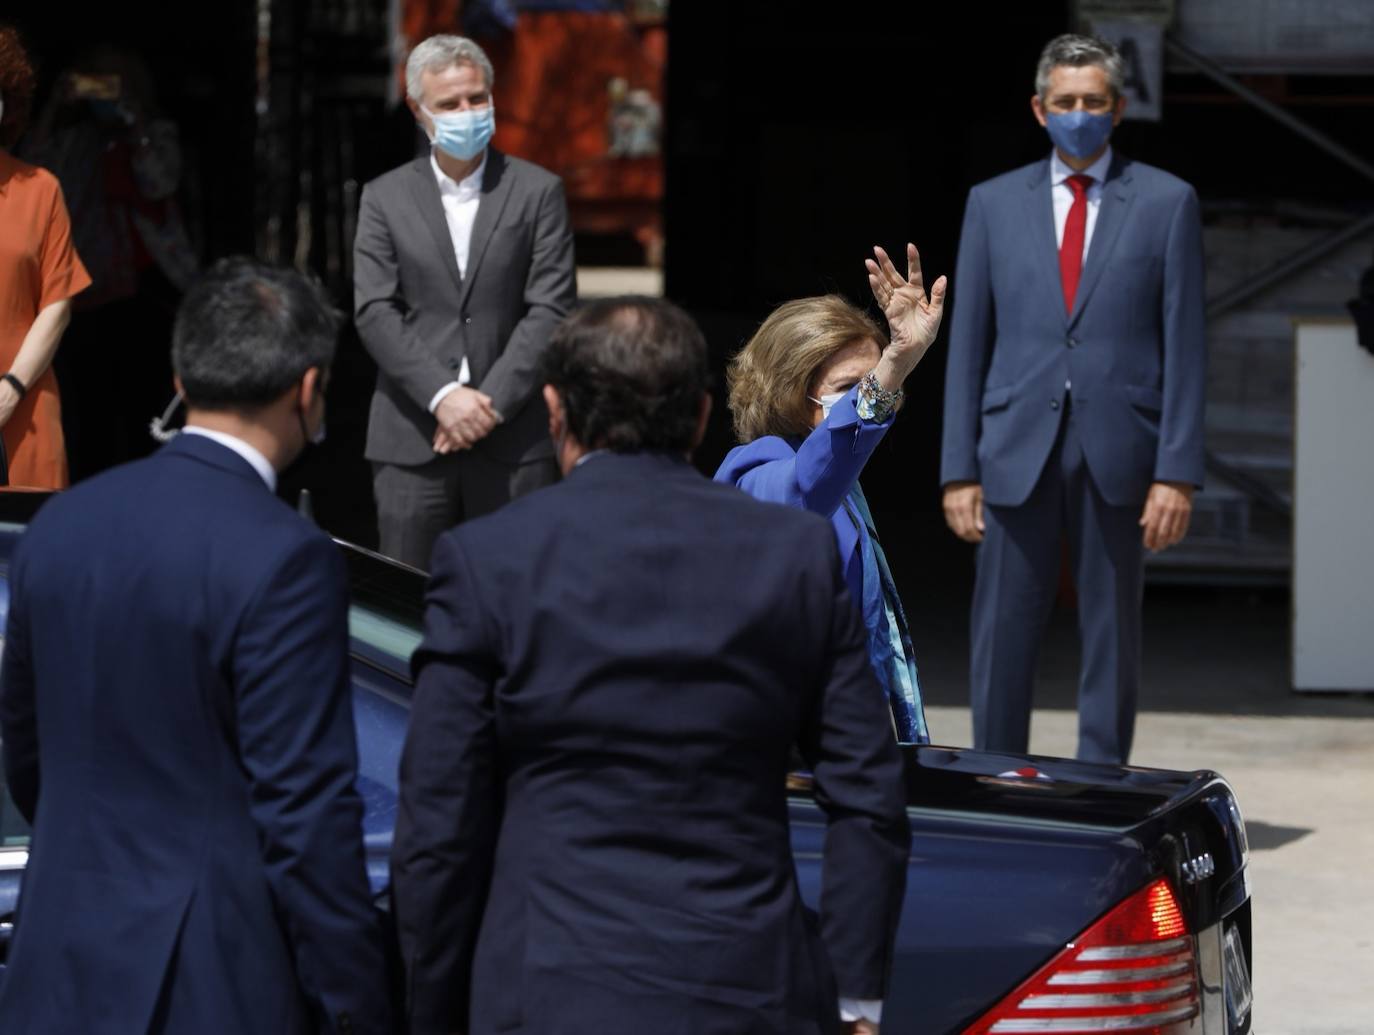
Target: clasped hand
{"points": [[465, 416]]}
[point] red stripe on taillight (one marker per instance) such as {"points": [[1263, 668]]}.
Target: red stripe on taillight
{"points": [[1134, 970]]}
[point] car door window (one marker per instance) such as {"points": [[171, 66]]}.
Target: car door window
{"points": [[14, 832]]}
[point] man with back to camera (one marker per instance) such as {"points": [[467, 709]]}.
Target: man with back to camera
{"points": [[1073, 399], [463, 265], [177, 717], [592, 827]]}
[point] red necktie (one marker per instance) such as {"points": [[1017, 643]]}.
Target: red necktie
{"points": [[1071, 248]]}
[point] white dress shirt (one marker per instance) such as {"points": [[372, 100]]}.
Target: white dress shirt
{"points": [[255, 459], [1063, 195], [460, 199]]}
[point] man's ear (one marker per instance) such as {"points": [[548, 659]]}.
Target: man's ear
{"points": [[703, 418], [1038, 108], [1120, 110], [176, 383], [311, 387], [555, 404]]}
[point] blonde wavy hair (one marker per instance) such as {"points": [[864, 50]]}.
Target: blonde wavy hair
{"points": [[770, 378]]}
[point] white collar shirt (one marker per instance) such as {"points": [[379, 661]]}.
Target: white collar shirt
{"points": [[255, 459], [1063, 195], [460, 199]]}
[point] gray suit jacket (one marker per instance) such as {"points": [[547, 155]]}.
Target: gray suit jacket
{"points": [[1134, 346], [419, 319]]}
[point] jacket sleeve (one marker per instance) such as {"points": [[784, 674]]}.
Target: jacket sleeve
{"points": [[18, 705], [971, 335], [380, 309], [819, 475], [847, 739], [296, 739], [550, 293], [448, 810], [1181, 430]]}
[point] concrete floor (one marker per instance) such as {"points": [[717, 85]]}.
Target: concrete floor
{"points": [[1216, 696]]}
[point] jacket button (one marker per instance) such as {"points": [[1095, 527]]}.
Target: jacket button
{"points": [[1054, 404], [1071, 342], [454, 364], [467, 319]]}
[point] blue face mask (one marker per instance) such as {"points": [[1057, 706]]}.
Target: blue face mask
{"points": [[462, 134], [1079, 134]]}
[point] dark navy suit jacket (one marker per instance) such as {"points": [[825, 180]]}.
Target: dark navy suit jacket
{"points": [[177, 722], [593, 830], [1134, 346]]}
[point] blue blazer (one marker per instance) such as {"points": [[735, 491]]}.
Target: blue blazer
{"points": [[592, 830], [814, 473], [1134, 346], [177, 722]]}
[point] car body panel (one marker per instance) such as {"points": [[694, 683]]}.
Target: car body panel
{"points": [[1012, 856]]}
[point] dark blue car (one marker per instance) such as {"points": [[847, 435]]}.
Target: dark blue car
{"points": [[1043, 895]]}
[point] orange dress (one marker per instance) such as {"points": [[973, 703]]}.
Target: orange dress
{"points": [[38, 266]]}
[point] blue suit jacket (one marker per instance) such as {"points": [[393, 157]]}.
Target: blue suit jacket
{"points": [[592, 831], [815, 473], [1134, 346], [177, 721]]}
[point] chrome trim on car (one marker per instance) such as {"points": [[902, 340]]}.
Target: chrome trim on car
{"points": [[1199, 869], [14, 858], [1133, 952], [1088, 1000], [1137, 1022], [1116, 977]]}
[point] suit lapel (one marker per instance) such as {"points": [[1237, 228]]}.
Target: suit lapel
{"points": [[496, 187], [1117, 193], [426, 196], [1040, 223]]}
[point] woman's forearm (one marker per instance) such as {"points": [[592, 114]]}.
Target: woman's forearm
{"points": [[893, 370], [40, 344]]}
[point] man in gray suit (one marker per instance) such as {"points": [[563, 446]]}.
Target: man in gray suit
{"points": [[463, 265], [1073, 399]]}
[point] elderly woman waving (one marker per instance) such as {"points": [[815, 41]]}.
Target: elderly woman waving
{"points": [[812, 394]]}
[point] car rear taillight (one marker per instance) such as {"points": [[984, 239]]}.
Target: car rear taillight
{"points": [[1134, 970]]}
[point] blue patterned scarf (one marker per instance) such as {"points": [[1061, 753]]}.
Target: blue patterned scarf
{"points": [[889, 639]]}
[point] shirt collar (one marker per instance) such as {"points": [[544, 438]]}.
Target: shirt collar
{"points": [[470, 186], [589, 455], [1060, 170], [255, 459]]}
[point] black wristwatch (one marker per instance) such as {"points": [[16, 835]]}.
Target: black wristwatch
{"points": [[17, 384]]}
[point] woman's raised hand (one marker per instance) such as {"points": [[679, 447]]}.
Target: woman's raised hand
{"points": [[912, 319]]}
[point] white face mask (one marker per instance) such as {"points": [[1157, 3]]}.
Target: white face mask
{"points": [[826, 401]]}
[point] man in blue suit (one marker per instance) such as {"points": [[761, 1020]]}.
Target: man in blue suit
{"points": [[1073, 400], [176, 714], [592, 831]]}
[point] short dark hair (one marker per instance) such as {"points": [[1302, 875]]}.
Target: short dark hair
{"points": [[247, 331], [631, 372]]}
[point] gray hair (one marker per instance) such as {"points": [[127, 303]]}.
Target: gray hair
{"points": [[1076, 51], [440, 52]]}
